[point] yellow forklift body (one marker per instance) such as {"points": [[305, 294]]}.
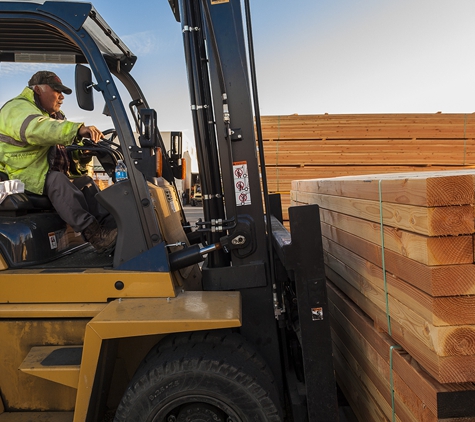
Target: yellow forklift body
{"points": [[21, 391], [167, 208], [37, 417], [31, 330], [88, 285], [189, 311], [50, 310], [3, 264]]}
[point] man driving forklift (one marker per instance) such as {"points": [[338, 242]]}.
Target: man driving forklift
{"points": [[33, 135]]}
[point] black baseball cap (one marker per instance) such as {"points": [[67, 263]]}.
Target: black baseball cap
{"points": [[45, 77]]}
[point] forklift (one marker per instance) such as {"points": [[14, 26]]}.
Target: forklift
{"points": [[226, 321]]}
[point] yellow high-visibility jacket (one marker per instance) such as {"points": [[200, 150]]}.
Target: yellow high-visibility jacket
{"points": [[27, 134]]}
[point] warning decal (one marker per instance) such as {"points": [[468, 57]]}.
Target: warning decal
{"points": [[52, 240], [241, 183]]}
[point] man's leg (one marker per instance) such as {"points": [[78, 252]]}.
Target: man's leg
{"points": [[68, 201], [89, 189], [72, 207]]}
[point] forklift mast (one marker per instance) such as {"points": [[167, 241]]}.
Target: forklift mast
{"points": [[225, 141]]}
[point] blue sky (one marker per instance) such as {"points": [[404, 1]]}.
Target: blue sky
{"points": [[312, 57]]}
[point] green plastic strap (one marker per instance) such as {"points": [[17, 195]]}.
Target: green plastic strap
{"points": [[464, 138], [391, 379], [388, 317]]}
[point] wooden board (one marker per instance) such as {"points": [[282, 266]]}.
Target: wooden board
{"points": [[364, 405], [439, 311], [434, 321], [364, 396], [427, 188], [369, 126], [326, 146], [444, 280], [370, 151], [280, 177], [374, 373], [422, 394], [429, 221], [424, 249], [445, 369]]}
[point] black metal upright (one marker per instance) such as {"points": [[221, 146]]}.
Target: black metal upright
{"points": [[235, 124], [190, 12], [314, 318]]}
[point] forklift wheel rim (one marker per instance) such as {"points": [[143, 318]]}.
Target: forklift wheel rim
{"points": [[174, 410]]}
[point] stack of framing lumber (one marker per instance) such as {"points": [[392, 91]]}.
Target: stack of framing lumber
{"points": [[399, 256], [322, 146], [370, 366]]}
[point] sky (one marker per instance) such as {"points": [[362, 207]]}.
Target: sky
{"points": [[312, 57]]}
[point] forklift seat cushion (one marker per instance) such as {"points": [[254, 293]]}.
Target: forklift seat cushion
{"points": [[39, 202], [16, 202], [24, 201]]}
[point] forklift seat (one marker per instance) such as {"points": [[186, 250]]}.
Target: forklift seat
{"points": [[26, 201]]}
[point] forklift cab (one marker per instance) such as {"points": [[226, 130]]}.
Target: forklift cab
{"points": [[39, 236]]}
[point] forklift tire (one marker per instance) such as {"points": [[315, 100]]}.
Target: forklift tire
{"points": [[200, 381], [221, 338]]}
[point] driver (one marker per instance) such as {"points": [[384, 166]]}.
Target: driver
{"points": [[33, 136]]}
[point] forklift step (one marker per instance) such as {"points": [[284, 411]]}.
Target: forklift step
{"points": [[37, 417], [59, 364]]}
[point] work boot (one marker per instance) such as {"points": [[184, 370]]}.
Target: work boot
{"points": [[101, 238]]}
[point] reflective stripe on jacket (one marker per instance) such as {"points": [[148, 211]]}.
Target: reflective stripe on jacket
{"points": [[26, 135]]}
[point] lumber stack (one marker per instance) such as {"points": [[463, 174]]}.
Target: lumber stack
{"points": [[322, 146], [374, 372], [400, 263]]}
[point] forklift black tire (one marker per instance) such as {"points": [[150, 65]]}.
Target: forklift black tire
{"points": [[225, 339], [199, 381], [219, 338]]}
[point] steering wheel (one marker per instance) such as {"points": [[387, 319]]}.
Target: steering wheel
{"points": [[113, 134], [106, 150]]}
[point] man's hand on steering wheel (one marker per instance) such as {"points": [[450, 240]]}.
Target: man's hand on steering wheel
{"points": [[91, 132]]}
